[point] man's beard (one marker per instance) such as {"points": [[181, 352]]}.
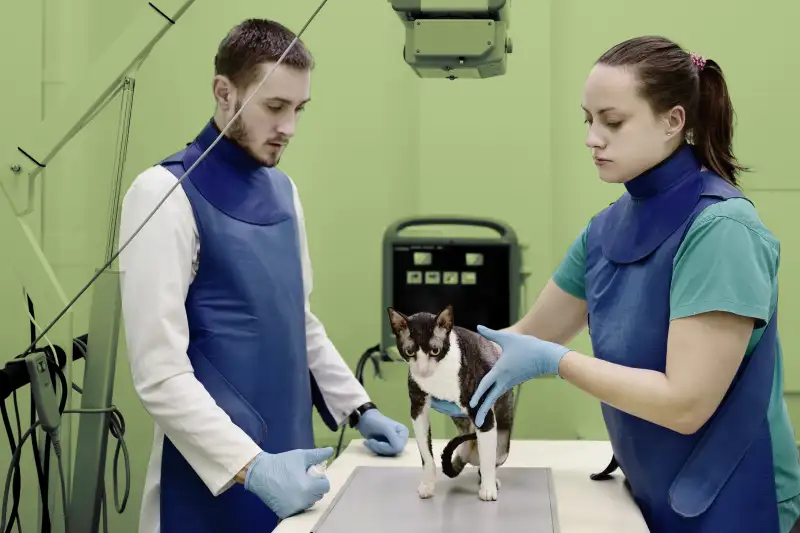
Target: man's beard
{"points": [[238, 134]]}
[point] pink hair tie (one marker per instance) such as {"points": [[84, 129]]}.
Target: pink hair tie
{"points": [[699, 61]]}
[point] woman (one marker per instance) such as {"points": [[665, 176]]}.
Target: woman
{"points": [[677, 282]]}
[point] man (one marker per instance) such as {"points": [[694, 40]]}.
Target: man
{"points": [[225, 352]]}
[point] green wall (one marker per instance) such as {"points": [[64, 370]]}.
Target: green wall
{"points": [[370, 151]]}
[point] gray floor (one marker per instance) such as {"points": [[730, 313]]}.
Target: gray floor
{"points": [[386, 499]]}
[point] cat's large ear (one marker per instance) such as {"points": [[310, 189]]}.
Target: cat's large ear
{"points": [[445, 318], [397, 319]]}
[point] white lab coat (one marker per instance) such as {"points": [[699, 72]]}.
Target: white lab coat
{"points": [[157, 268]]}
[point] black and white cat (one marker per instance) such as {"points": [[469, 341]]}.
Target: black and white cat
{"points": [[447, 362]]}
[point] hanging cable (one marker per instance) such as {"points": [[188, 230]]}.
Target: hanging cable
{"points": [[359, 373]]}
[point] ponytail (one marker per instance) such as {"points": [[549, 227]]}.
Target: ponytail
{"points": [[712, 130]]}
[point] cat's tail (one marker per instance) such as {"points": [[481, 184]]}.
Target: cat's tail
{"points": [[450, 467]]}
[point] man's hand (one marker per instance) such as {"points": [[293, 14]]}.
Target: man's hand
{"points": [[281, 480], [384, 435]]}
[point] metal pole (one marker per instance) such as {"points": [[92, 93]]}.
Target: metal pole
{"points": [[90, 451]]}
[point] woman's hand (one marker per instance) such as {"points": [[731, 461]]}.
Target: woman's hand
{"points": [[523, 357]]}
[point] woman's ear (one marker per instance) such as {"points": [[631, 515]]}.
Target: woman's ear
{"points": [[675, 121]]}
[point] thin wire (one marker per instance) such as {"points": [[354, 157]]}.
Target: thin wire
{"points": [[153, 212]]}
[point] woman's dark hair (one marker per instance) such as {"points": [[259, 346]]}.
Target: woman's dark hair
{"points": [[671, 76]]}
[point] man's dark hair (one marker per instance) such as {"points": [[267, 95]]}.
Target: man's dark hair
{"points": [[257, 41]]}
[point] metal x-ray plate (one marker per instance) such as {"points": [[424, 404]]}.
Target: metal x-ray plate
{"points": [[385, 499]]}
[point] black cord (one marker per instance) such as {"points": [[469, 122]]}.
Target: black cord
{"points": [[15, 465], [42, 473], [55, 370], [117, 423], [359, 373], [18, 487], [116, 428], [13, 445]]}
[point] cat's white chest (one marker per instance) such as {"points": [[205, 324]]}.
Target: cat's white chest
{"points": [[443, 383]]}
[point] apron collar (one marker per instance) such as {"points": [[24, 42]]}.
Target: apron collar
{"points": [[226, 150], [669, 173], [234, 182], [656, 203]]}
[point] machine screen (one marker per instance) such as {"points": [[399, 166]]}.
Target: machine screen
{"points": [[474, 279]]}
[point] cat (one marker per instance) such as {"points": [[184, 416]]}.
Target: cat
{"points": [[447, 362]]}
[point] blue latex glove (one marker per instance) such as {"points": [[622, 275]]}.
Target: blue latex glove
{"points": [[282, 483], [383, 435], [446, 407], [523, 357]]}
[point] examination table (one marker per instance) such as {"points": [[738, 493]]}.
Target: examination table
{"points": [[545, 487]]}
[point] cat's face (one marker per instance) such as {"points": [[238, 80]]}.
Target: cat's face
{"points": [[423, 339]]}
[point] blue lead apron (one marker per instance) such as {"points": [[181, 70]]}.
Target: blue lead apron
{"points": [[721, 478], [246, 312]]}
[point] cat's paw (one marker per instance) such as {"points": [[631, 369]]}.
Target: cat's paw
{"points": [[425, 489], [488, 493]]}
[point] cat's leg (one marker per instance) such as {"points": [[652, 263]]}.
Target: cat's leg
{"points": [[487, 450], [487, 438], [504, 420], [422, 431], [503, 447], [420, 405], [486, 447]]}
